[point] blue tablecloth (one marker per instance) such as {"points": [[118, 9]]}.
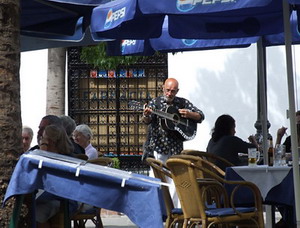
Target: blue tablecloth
{"points": [[137, 196]]}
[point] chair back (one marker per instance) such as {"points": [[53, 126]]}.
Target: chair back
{"points": [[204, 163], [104, 161], [196, 194], [215, 159], [189, 194], [81, 156], [161, 171]]}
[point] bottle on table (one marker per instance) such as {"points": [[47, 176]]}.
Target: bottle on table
{"points": [[270, 152]]}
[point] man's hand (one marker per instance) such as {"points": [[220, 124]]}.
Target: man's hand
{"points": [[281, 131], [147, 112], [186, 113]]}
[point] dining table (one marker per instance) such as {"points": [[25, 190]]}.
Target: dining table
{"points": [[275, 184], [137, 196]]}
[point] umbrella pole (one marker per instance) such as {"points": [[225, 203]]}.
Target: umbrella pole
{"points": [[261, 57], [292, 111], [262, 112]]}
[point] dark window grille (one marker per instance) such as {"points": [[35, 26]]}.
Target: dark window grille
{"points": [[102, 104]]}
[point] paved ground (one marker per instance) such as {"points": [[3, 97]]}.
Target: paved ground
{"points": [[122, 221], [114, 221]]}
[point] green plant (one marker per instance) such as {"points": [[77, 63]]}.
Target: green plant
{"points": [[96, 56], [116, 163]]}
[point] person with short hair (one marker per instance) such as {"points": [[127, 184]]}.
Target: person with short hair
{"points": [[27, 135], [82, 135], [45, 121], [163, 142]]}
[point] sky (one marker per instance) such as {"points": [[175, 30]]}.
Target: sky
{"points": [[33, 78]]}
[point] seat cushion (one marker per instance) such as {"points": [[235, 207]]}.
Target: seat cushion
{"points": [[227, 211], [177, 211]]}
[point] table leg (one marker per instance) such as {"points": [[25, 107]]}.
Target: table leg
{"points": [[270, 216], [16, 212], [67, 221]]}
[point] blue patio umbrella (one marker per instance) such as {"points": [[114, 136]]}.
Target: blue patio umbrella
{"points": [[56, 16], [34, 41], [52, 16], [278, 39], [125, 19], [223, 19], [56, 23], [166, 43], [188, 19]]}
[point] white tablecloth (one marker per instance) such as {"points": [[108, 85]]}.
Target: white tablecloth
{"points": [[265, 177]]}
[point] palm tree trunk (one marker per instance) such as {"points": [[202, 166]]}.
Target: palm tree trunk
{"points": [[10, 109], [56, 81]]}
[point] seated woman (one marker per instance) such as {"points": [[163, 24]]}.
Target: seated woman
{"points": [[224, 144], [54, 139], [83, 136]]}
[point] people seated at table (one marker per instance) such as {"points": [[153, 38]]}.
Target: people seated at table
{"points": [[225, 144], [54, 139], [27, 135], [83, 135], [282, 131], [64, 121], [70, 125]]}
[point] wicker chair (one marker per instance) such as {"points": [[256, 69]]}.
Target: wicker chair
{"points": [[196, 194], [212, 193], [81, 156], [202, 162], [79, 218], [174, 215], [215, 159], [105, 161]]}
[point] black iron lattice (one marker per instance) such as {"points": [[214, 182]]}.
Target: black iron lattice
{"points": [[102, 104]]}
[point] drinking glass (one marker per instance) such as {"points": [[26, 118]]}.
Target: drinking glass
{"points": [[253, 157], [279, 155]]}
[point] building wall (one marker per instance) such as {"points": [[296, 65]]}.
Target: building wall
{"points": [[225, 82]]}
